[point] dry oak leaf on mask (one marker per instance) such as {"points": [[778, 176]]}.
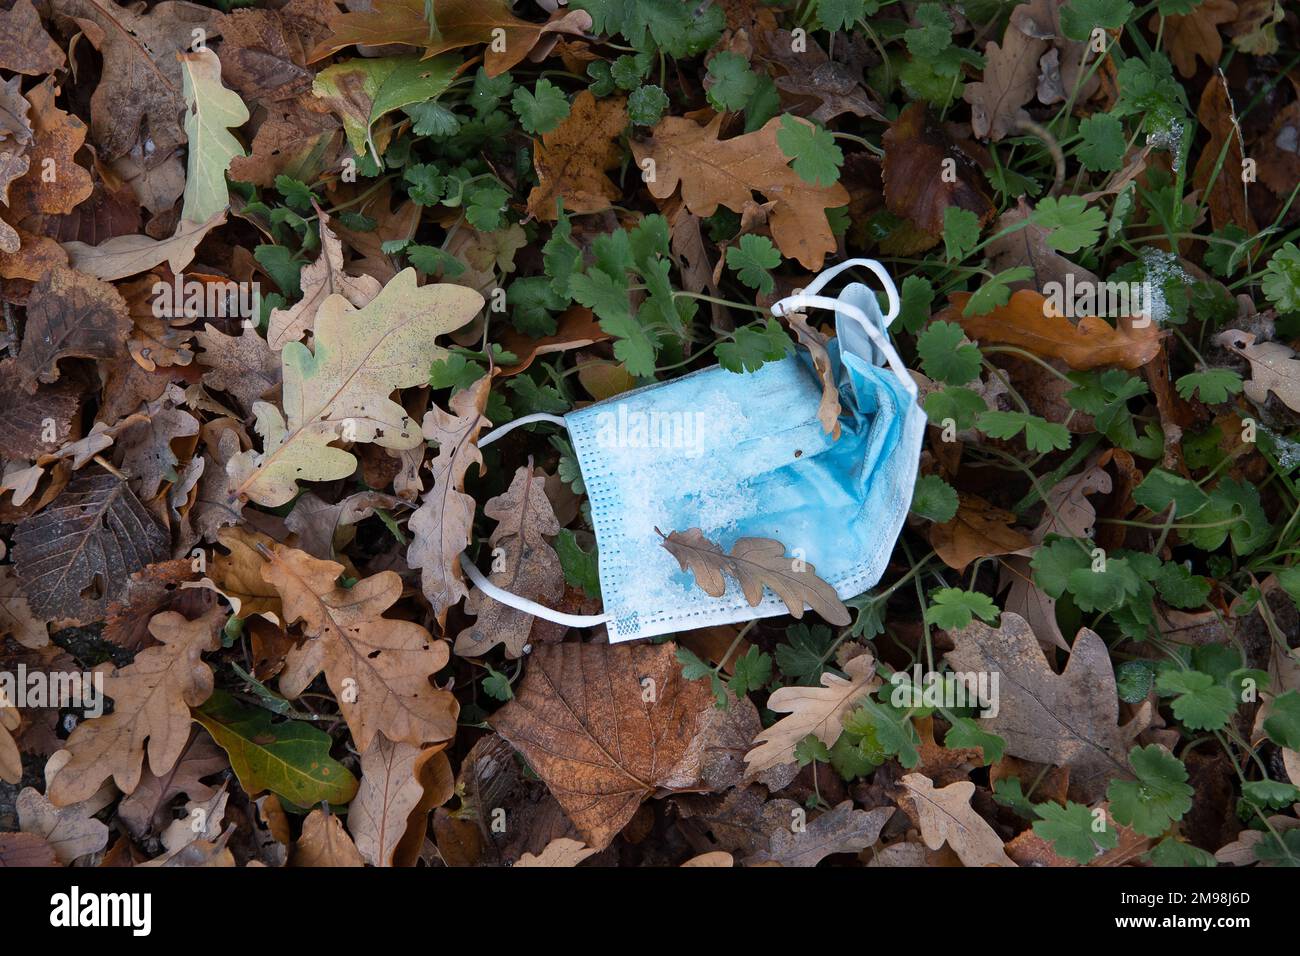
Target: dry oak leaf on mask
{"points": [[714, 172], [1027, 321], [812, 710], [152, 697], [319, 280], [440, 528], [828, 409], [74, 557], [341, 391], [605, 726], [1069, 719], [1274, 367], [531, 568], [139, 90], [70, 315], [572, 160], [461, 23], [377, 667], [946, 816], [755, 563]]}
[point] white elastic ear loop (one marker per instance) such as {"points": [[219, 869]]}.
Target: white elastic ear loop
{"points": [[880, 340], [886, 282], [509, 598]]}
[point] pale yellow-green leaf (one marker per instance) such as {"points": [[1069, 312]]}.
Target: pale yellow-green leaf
{"points": [[211, 112], [340, 392]]}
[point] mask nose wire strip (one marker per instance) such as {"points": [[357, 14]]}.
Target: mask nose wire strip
{"points": [[523, 604], [508, 598]]}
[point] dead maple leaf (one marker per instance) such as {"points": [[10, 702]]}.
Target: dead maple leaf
{"points": [[70, 314], [755, 563], [819, 711], [714, 172], [378, 667], [1274, 367], [979, 530], [319, 280], [342, 389], [572, 159], [605, 726], [152, 697], [74, 557], [946, 816], [461, 23], [530, 567], [1027, 321], [441, 527], [1068, 719]]}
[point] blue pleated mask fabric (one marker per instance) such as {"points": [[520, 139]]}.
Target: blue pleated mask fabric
{"points": [[743, 455]]}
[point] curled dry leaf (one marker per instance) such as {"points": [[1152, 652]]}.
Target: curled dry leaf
{"points": [[324, 842], [1027, 321], [755, 563], [441, 527], [1274, 367], [828, 410]]}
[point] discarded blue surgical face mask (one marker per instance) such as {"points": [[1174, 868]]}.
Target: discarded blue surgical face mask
{"points": [[744, 455]]}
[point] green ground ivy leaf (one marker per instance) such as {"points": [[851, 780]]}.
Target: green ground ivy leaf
{"points": [[1283, 721], [1070, 829], [803, 657], [961, 232], [360, 91], [212, 111], [1180, 587], [731, 82], [581, 568], [1281, 282], [952, 608], [750, 672], [1040, 434], [916, 295], [890, 727], [1158, 797], [934, 499], [1080, 17], [967, 732], [1071, 223], [1160, 489], [946, 355], [752, 346], [815, 156], [1213, 385], [542, 109], [996, 291], [960, 405], [646, 105], [1270, 793], [290, 758], [1199, 702], [1102, 149], [753, 259]]}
